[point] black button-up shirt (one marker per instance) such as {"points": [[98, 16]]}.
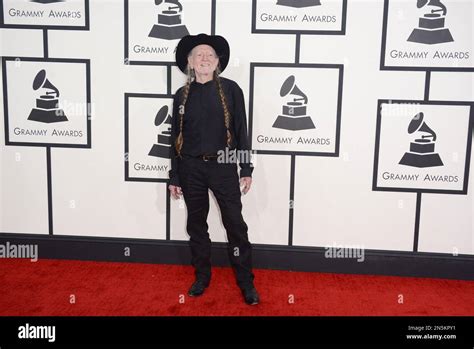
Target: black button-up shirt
{"points": [[204, 130]]}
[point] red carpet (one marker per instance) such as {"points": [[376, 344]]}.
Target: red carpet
{"points": [[103, 288]]}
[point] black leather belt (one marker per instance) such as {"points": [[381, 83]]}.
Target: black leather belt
{"points": [[209, 157], [205, 157]]}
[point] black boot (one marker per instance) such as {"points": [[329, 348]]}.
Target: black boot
{"points": [[198, 288], [250, 295]]}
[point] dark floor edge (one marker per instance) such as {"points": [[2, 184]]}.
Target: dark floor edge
{"points": [[295, 258]]}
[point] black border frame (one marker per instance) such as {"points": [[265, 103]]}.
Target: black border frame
{"points": [[88, 100], [342, 31], [127, 98], [403, 67], [375, 187], [126, 45], [50, 27], [339, 67]]}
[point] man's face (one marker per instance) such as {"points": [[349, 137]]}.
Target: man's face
{"points": [[203, 59]]}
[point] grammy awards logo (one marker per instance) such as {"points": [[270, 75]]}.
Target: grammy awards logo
{"points": [[47, 105], [431, 28], [46, 1], [422, 150], [163, 121], [294, 112], [169, 25], [299, 3]]}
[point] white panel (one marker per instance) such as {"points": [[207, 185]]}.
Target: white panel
{"points": [[334, 204], [447, 222], [91, 198], [463, 82], [27, 43], [143, 79], [23, 190], [267, 207]]}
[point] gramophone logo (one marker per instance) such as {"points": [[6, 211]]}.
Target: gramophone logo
{"points": [[293, 115], [162, 148], [431, 26], [169, 26], [299, 3], [47, 105], [422, 149]]}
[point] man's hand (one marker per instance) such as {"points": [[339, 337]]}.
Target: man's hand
{"points": [[175, 191], [246, 182]]}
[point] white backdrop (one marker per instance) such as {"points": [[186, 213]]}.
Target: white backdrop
{"points": [[339, 66]]}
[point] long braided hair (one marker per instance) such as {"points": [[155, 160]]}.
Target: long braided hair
{"points": [[190, 76]]}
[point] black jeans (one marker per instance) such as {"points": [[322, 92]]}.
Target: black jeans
{"points": [[196, 177]]}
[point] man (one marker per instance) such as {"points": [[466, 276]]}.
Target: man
{"points": [[209, 119]]}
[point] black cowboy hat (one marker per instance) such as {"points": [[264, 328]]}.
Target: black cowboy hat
{"points": [[188, 42]]}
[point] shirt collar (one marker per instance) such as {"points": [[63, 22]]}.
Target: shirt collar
{"points": [[208, 83]]}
